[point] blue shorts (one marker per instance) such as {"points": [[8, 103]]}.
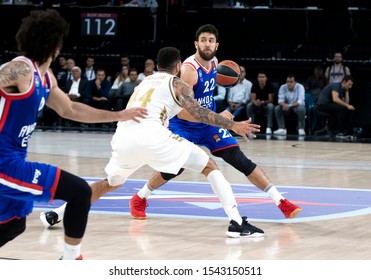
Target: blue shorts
{"points": [[22, 183], [211, 137]]}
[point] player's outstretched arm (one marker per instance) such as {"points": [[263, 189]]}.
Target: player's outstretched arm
{"points": [[201, 114], [80, 112]]}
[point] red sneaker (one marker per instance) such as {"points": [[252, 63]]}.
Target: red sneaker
{"points": [[138, 207], [288, 209]]}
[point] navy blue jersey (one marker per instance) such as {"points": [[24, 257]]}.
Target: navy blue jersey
{"points": [[212, 137], [19, 114], [23, 182], [203, 90]]}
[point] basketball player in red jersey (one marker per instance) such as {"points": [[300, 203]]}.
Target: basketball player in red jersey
{"points": [[26, 85]]}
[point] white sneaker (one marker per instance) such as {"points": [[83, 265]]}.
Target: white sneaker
{"points": [[301, 132], [52, 217], [280, 131], [49, 218], [268, 130]]}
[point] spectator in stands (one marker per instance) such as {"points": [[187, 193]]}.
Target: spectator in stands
{"points": [[335, 100], [61, 72], [125, 60], [291, 100], [149, 69], [147, 72], [336, 71], [315, 83], [98, 91], [49, 117], [122, 77], [239, 96], [89, 72], [121, 97], [70, 64], [76, 88], [262, 100], [76, 91]]}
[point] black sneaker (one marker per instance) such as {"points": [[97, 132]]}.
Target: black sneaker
{"points": [[245, 230], [49, 218]]}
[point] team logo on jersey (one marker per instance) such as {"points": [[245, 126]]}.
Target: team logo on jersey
{"points": [[200, 76], [216, 137], [37, 81]]}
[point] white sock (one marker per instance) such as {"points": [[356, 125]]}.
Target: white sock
{"points": [[145, 192], [71, 252], [274, 193], [222, 188]]}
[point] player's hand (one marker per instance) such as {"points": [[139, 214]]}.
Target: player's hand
{"points": [[226, 114], [246, 128], [133, 114]]}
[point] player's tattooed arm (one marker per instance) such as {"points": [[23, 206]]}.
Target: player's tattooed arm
{"points": [[12, 72], [201, 114]]}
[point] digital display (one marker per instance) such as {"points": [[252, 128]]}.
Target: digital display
{"points": [[99, 24]]}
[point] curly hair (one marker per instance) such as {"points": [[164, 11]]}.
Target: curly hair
{"points": [[41, 35]]}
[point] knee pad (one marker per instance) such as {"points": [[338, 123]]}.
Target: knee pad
{"points": [[77, 193], [72, 188], [235, 157], [11, 230], [169, 176]]}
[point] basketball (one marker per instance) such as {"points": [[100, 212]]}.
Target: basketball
{"points": [[227, 73]]}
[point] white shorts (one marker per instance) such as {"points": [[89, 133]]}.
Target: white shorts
{"points": [[136, 145]]}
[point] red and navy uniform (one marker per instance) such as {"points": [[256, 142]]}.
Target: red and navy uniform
{"points": [[212, 137], [23, 182]]}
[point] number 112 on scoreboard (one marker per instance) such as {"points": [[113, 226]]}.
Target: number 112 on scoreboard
{"points": [[99, 24]]}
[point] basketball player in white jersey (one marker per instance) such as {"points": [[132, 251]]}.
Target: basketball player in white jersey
{"points": [[150, 142]]}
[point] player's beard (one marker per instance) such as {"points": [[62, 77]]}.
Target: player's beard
{"points": [[205, 56]]}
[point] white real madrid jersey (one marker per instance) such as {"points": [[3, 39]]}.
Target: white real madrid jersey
{"points": [[156, 94]]}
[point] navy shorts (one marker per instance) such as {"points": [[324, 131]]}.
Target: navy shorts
{"points": [[23, 182], [212, 137]]}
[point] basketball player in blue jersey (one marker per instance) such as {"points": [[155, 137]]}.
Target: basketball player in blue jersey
{"points": [[199, 71], [26, 86]]}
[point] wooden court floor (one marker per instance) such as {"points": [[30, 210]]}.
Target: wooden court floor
{"points": [[295, 162]]}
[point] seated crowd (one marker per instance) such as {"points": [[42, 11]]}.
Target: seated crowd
{"points": [[94, 86], [301, 106], [289, 108]]}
